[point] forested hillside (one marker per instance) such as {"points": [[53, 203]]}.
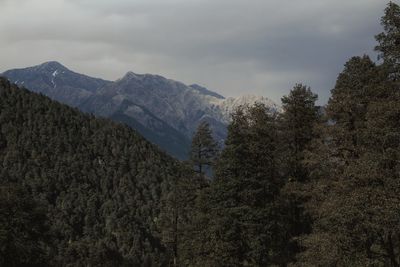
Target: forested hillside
{"points": [[75, 190]]}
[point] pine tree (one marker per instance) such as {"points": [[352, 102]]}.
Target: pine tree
{"points": [[298, 119], [347, 107], [356, 190], [389, 40], [219, 241], [204, 148], [244, 224], [177, 215], [296, 124]]}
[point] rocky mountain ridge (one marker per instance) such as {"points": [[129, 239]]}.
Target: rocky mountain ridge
{"points": [[165, 111]]}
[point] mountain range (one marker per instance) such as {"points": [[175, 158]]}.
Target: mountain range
{"points": [[164, 111]]}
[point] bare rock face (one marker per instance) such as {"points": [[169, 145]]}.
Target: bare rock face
{"points": [[164, 111]]}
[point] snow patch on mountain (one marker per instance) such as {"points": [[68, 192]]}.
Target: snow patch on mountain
{"points": [[222, 109], [54, 74], [229, 105]]}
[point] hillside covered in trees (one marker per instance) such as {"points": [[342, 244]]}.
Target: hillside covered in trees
{"points": [[303, 187], [75, 190]]}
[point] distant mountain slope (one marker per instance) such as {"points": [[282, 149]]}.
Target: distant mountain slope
{"points": [[175, 103], [57, 82], [100, 182], [154, 129], [164, 111]]}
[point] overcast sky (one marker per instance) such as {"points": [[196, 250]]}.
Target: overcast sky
{"points": [[233, 47]]}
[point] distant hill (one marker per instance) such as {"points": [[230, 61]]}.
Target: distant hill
{"points": [[164, 111], [99, 182]]}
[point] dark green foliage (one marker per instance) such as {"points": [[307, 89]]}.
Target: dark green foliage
{"points": [[355, 187], [297, 122], [337, 146], [243, 224], [355, 88], [389, 40], [300, 116], [177, 216], [100, 182], [204, 148], [23, 228], [355, 192]]}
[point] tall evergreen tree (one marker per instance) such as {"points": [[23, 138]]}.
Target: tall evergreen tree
{"points": [[296, 124], [244, 223], [347, 107], [357, 185], [204, 148], [297, 121], [389, 40], [177, 215]]}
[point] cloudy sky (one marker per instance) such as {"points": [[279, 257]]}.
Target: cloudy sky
{"points": [[233, 47]]}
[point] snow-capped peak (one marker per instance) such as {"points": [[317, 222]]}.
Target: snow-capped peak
{"points": [[229, 105]]}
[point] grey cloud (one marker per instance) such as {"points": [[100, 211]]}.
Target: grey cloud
{"points": [[232, 46]]}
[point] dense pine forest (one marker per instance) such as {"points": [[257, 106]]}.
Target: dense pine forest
{"points": [[309, 186], [75, 190]]}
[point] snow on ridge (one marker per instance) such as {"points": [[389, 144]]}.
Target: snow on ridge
{"points": [[228, 105], [54, 74]]}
